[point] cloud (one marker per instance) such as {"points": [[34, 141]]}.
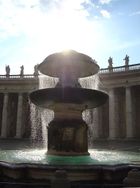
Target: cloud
{"points": [[48, 26], [105, 1], [105, 14], [44, 16], [135, 13], [23, 17], [16, 17]]}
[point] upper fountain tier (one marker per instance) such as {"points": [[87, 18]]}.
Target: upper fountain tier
{"points": [[68, 66]]}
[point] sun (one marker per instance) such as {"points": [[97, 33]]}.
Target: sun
{"points": [[67, 28], [70, 29]]}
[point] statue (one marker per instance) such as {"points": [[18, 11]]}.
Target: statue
{"points": [[36, 70], [7, 68], [21, 71], [126, 59], [110, 62]]}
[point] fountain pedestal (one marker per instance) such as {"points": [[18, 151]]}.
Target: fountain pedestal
{"points": [[67, 137]]}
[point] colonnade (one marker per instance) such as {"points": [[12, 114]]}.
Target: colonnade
{"points": [[108, 126], [112, 129], [113, 126], [19, 116]]}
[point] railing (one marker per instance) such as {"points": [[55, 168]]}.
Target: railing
{"points": [[17, 76], [104, 70], [120, 68]]}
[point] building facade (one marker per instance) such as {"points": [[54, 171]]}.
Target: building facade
{"points": [[118, 118]]}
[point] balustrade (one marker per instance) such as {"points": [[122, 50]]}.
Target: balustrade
{"points": [[121, 68]]}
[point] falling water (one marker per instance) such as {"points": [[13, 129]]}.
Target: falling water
{"points": [[36, 134], [47, 82], [90, 115], [40, 117], [91, 82]]}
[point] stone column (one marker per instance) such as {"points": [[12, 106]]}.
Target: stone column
{"points": [[19, 128], [129, 121], [112, 115], [5, 116]]}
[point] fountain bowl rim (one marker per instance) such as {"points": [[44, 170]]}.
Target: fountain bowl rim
{"points": [[82, 65], [78, 98]]}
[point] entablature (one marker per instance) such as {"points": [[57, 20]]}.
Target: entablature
{"points": [[120, 79], [18, 84]]}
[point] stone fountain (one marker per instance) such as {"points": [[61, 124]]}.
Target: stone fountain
{"points": [[67, 132]]}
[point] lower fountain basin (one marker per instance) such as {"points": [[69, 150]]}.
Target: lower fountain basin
{"points": [[74, 98], [109, 163], [32, 166]]}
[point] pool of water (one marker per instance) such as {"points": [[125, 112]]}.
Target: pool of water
{"points": [[102, 156]]}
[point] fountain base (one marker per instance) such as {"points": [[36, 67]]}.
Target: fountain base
{"points": [[34, 175]]}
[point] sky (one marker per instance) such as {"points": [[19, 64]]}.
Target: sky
{"points": [[30, 30]]}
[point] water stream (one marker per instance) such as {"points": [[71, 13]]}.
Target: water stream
{"points": [[41, 117], [90, 115]]}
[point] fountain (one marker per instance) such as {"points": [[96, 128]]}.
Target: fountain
{"points": [[67, 132], [67, 156]]}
